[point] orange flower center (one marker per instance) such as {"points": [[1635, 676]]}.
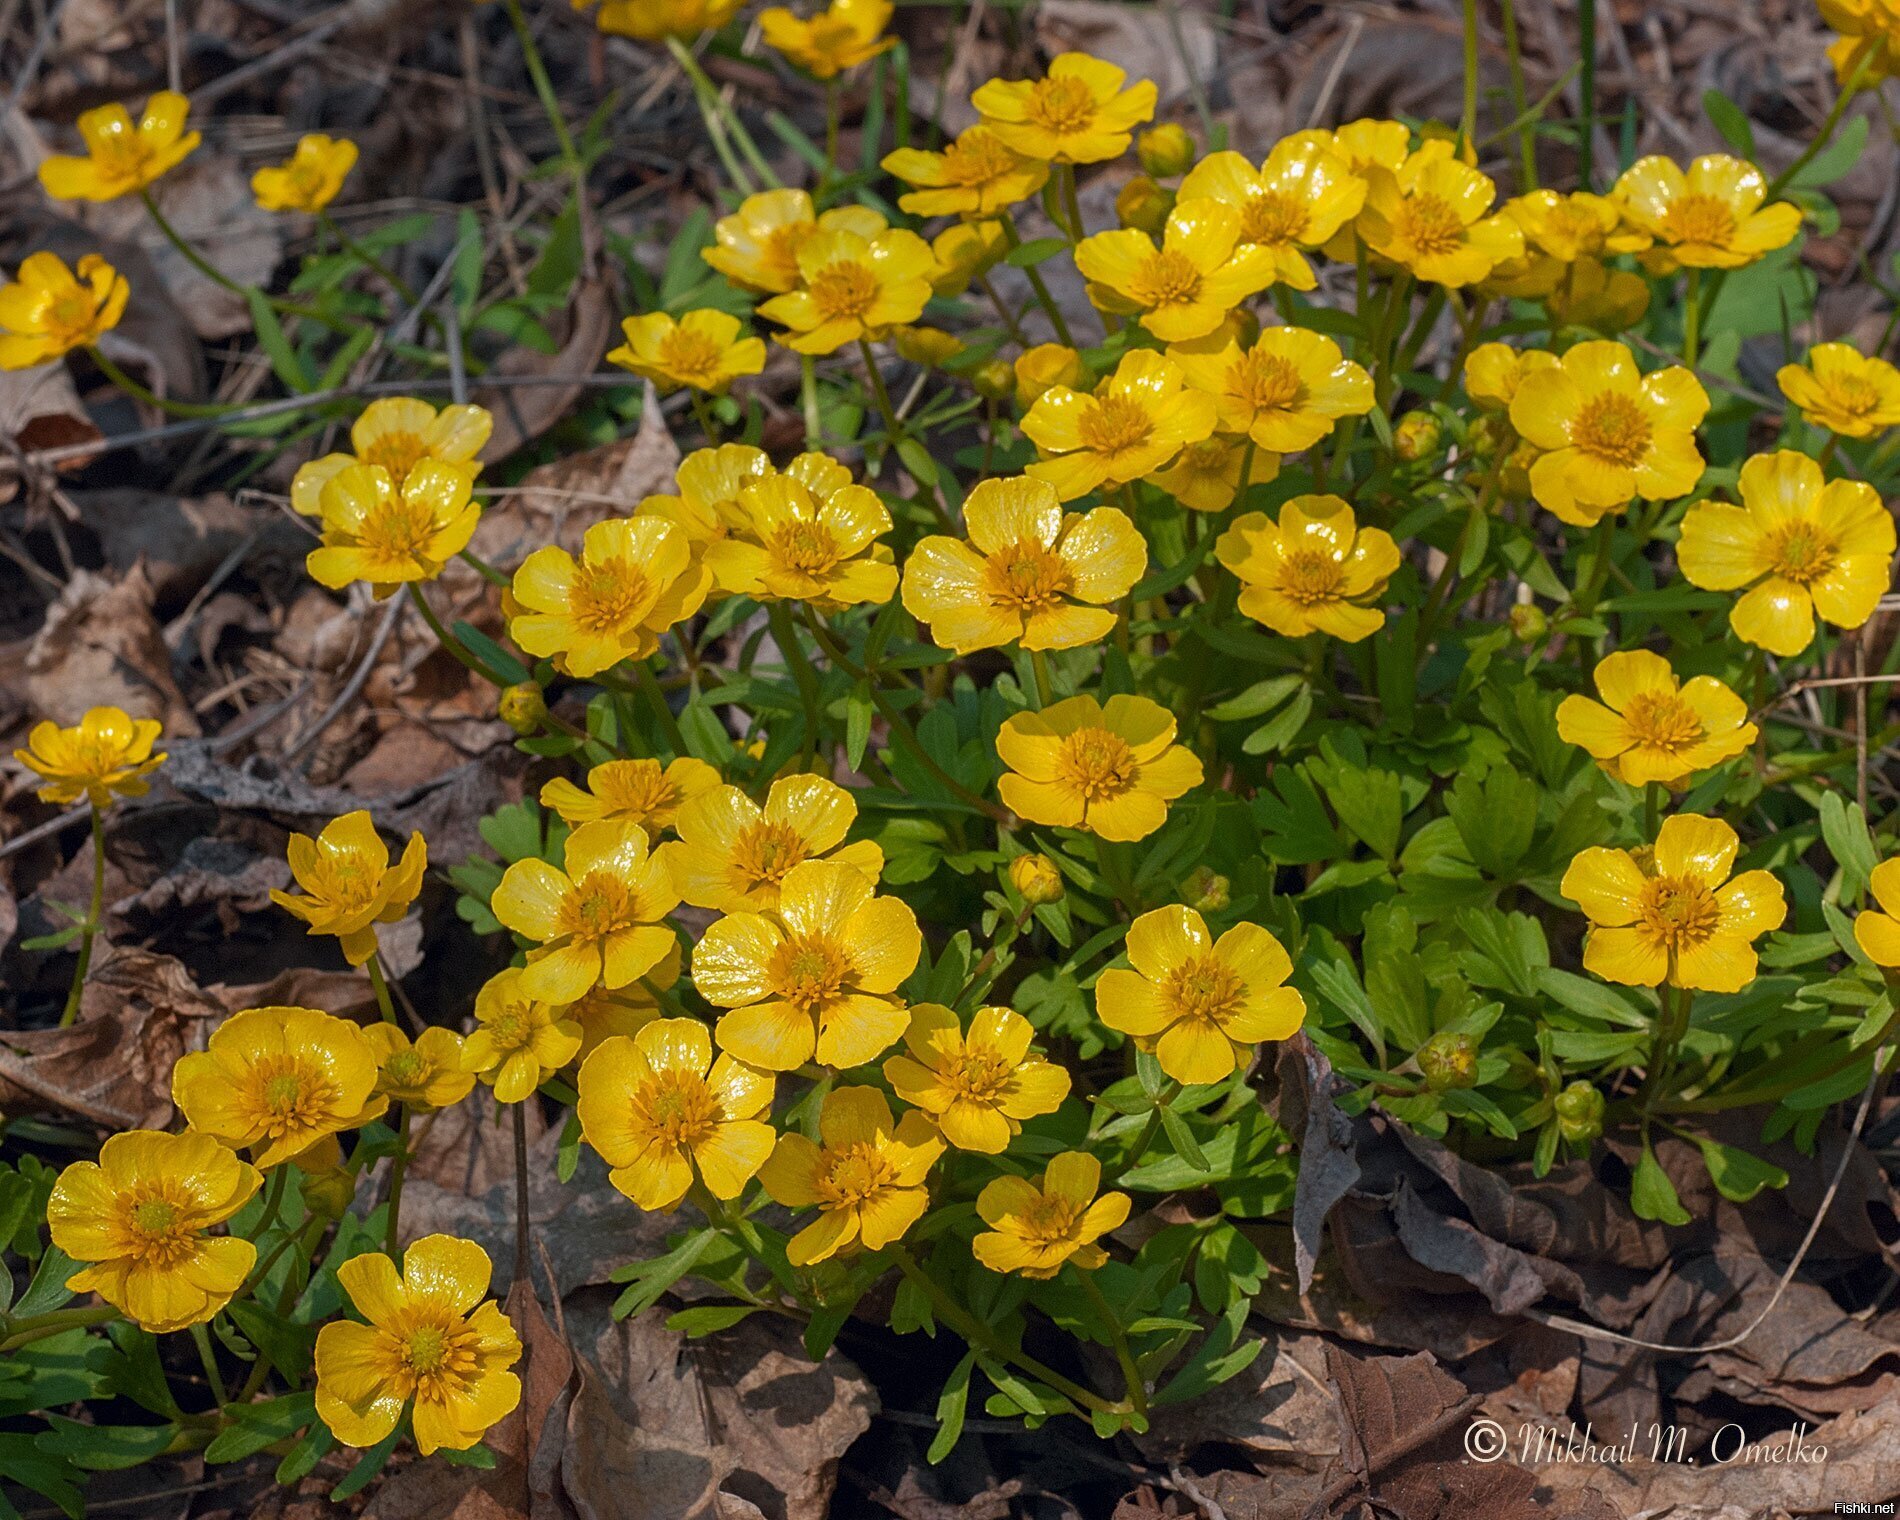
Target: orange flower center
{"points": [[159, 1226], [979, 1075], [977, 159], [343, 880], [844, 291], [778, 251], [1111, 424], [597, 905], [1662, 720], [1203, 988], [1680, 911], [288, 1094], [398, 528], [1311, 576], [1096, 765], [1611, 427], [1050, 1220], [1568, 231], [397, 452], [765, 851], [1699, 219], [827, 36], [1267, 382], [437, 1361], [1801, 552], [1431, 224], [1272, 217], [690, 355], [1028, 576], [1168, 278], [70, 316], [808, 972], [677, 1108], [605, 596], [853, 1175], [1853, 394], [636, 790], [1061, 105], [809, 547]]}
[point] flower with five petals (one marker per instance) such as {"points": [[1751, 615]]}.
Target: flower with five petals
{"points": [[1037, 1226], [865, 1175], [347, 882], [1111, 769]]}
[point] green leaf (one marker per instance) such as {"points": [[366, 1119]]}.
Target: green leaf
{"points": [[47, 1474], [1036, 251], [917, 460], [1844, 828], [1183, 1141], [952, 1404], [650, 1279], [104, 1448], [285, 362], [858, 708], [303, 1458], [1737, 1175], [1653, 1195], [706, 1319], [1728, 119], [367, 1466], [48, 1289], [256, 1426], [1836, 159], [492, 654]]}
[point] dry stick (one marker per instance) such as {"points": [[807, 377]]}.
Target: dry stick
{"points": [[358, 678], [1821, 683], [1860, 718], [524, 1271]]}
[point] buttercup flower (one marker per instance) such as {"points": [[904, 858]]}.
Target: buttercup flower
{"points": [[1493, 372], [866, 1179], [810, 536], [757, 246], [51, 310], [1034, 1227], [1841, 391], [703, 350], [1028, 572], [709, 483], [962, 251], [656, 20], [1592, 295], [377, 531], [1316, 570], [1805, 547], [977, 1087], [840, 37], [107, 754], [734, 855], [1869, 29], [1285, 392], [1651, 727], [430, 1338], [1877, 931], [599, 920], [1297, 200], [817, 976], [1037, 878], [1609, 432], [631, 791], [1043, 367], [635, 578], [930, 347], [310, 178], [1206, 478], [1432, 217], [518, 1040], [1137, 421], [1678, 917], [852, 287], [1200, 1004], [1111, 770], [422, 1075], [1077, 114], [1710, 218], [120, 157], [663, 1112], [603, 1014], [137, 1221], [398, 433], [1185, 288], [280, 1080], [349, 886], [1579, 225], [977, 174]]}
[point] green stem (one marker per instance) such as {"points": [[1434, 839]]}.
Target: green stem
{"points": [[1692, 318], [896, 432], [702, 414], [1468, 121], [1036, 283], [90, 929], [1071, 201], [448, 640], [808, 398], [1152, 1128], [218, 277], [745, 1235], [662, 712], [524, 1272], [779, 618], [1136, 1385], [202, 1339], [1652, 809], [398, 1166], [833, 114], [1863, 60], [357, 251], [164, 404], [1045, 683], [38, 1327], [1520, 102], [1587, 90], [374, 966], [1748, 1097], [722, 123], [550, 103]]}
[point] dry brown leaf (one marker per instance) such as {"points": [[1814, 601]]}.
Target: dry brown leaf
{"points": [[39, 409], [524, 412], [1136, 38], [101, 646]]}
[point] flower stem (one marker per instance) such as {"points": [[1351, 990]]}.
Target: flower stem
{"points": [[164, 404], [662, 712], [38, 1327], [202, 1339], [90, 929], [1137, 1387], [1036, 283], [1850, 87], [1045, 684], [702, 414], [218, 277], [448, 640], [1520, 102], [357, 251], [806, 679], [1150, 1129], [398, 1167], [374, 966], [1468, 121], [1692, 318], [550, 102], [523, 1272]]}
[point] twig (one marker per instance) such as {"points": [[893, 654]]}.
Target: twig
{"points": [[358, 678]]}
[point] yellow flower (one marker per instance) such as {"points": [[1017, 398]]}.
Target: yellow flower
{"points": [[962, 251], [1673, 917], [635, 578], [1137, 421], [1432, 218], [1710, 218], [1285, 392], [1206, 478], [1185, 288], [603, 1014], [280, 1080], [310, 178], [430, 1338], [1841, 391], [819, 975], [1111, 770], [810, 537], [1871, 27], [1037, 878], [398, 433], [351, 889], [385, 534], [1315, 571], [137, 1220], [1199, 1004], [842, 36], [656, 20], [518, 1040], [663, 1113], [1493, 372], [1044, 367], [852, 288], [734, 855], [977, 1087], [1877, 931], [1806, 547], [866, 1178], [1028, 572], [424, 1075], [51, 310], [1609, 432], [1297, 200], [702, 350], [978, 174], [1576, 226], [757, 246], [1650, 727], [1078, 114], [927, 347], [600, 920], [107, 754], [709, 482], [121, 157], [631, 791], [1597, 297], [1034, 1227]]}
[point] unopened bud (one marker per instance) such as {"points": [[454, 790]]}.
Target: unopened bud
{"points": [[994, 380], [1487, 435], [1528, 623], [329, 1194], [522, 707], [1166, 150], [931, 347], [1046, 365], [1417, 436], [1206, 890], [1579, 1113], [1449, 1059], [1144, 204], [1036, 878]]}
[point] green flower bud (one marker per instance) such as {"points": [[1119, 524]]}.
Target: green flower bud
{"points": [[1037, 879], [1144, 204], [994, 379], [523, 708], [1166, 150], [1449, 1059], [1528, 623], [1579, 1113], [1417, 436], [1206, 891]]}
